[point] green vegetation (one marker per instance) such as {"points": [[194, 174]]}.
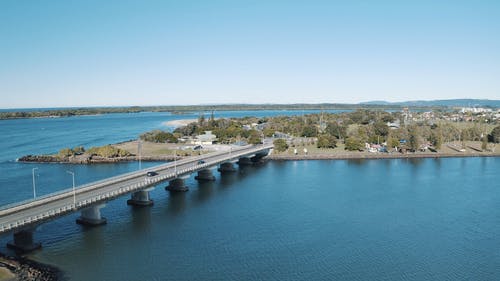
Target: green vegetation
{"points": [[226, 130], [494, 136], [108, 151], [159, 136], [280, 145], [353, 130], [67, 152], [354, 144], [326, 141]]}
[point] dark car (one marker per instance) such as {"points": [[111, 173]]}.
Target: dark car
{"points": [[152, 174], [201, 162]]}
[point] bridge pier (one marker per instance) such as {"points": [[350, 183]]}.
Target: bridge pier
{"points": [[141, 198], [92, 216], [23, 241], [177, 185], [245, 161], [205, 175], [226, 167]]}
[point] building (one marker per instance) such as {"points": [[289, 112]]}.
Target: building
{"points": [[205, 139]]}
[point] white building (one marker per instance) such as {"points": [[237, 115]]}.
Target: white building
{"points": [[205, 139]]}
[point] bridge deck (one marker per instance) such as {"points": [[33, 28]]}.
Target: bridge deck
{"points": [[33, 212]]}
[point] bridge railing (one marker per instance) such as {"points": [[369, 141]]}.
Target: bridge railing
{"points": [[238, 152]]}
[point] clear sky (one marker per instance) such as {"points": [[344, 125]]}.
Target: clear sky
{"points": [[105, 53]]}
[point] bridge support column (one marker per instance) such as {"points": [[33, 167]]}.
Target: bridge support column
{"points": [[205, 175], [244, 161], [92, 216], [177, 185], [140, 198], [23, 241], [227, 167]]}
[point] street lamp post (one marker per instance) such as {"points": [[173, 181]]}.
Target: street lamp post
{"points": [[139, 151], [175, 162], [34, 189], [74, 192]]}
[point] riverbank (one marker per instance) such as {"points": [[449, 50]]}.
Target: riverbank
{"points": [[326, 156], [311, 152], [23, 269]]}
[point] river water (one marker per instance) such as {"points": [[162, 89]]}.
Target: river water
{"points": [[399, 219]]}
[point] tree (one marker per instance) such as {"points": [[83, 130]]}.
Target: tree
{"points": [[254, 137], [159, 136], [392, 142], [108, 151], [309, 131], [280, 145], [326, 141], [211, 121], [436, 139], [413, 142], [381, 128], [201, 119], [353, 143], [66, 152], [268, 132], [484, 143], [336, 130], [494, 136]]}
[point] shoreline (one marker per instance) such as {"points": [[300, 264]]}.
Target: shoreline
{"points": [[276, 157], [25, 269], [285, 157], [92, 160]]}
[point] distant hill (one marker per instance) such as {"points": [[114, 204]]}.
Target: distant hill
{"points": [[448, 103]]}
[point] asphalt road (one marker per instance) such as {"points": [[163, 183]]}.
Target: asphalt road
{"points": [[29, 213]]}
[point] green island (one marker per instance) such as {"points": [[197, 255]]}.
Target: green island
{"points": [[362, 133]]}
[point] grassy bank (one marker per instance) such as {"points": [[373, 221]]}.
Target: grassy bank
{"points": [[472, 149]]}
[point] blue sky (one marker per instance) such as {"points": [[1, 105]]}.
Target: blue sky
{"points": [[105, 53]]}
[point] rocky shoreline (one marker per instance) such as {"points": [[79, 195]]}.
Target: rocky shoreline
{"points": [[89, 159], [24, 269]]}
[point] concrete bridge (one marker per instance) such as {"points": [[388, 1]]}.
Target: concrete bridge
{"points": [[21, 219]]}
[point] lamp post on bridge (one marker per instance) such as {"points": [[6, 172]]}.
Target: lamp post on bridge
{"points": [[34, 189], [74, 193], [139, 151], [175, 161]]}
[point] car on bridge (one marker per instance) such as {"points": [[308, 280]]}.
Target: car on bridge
{"points": [[151, 174], [201, 162]]}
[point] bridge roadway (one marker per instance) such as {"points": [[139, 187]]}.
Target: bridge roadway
{"points": [[23, 215]]}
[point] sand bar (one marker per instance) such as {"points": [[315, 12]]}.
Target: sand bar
{"points": [[179, 123]]}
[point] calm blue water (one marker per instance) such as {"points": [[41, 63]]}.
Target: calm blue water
{"points": [[48, 135], [422, 219]]}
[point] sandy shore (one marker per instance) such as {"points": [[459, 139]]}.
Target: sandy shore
{"points": [[179, 123]]}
